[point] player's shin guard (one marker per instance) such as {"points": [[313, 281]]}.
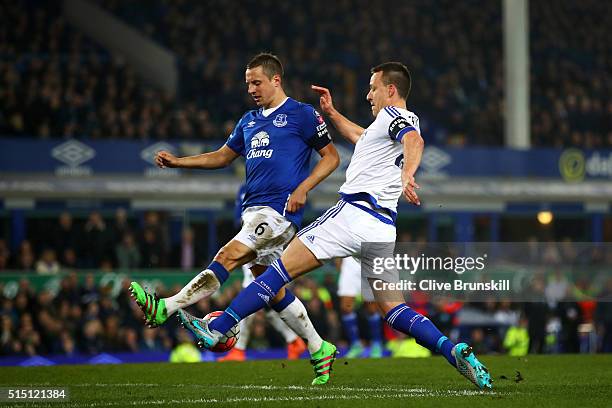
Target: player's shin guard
{"points": [[202, 286], [280, 326], [294, 314], [406, 320], [254, 297]]}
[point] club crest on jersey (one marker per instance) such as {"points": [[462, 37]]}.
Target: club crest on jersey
{"points": [[318, 116], [280, 120], [258, 143]]}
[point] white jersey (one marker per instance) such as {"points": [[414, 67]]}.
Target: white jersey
{"points": [[376, 165]]}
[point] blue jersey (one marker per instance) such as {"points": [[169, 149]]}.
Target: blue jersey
{"points": [[277, 150], [238, 205]]}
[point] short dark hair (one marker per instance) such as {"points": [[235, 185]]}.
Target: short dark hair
{"points": [[395, 73], [270, 64]]}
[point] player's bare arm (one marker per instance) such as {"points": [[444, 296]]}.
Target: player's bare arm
{"points": [[211, 160], [349, 130], [413, 150], [328, 163]]}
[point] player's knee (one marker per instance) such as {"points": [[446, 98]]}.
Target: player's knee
{"points": [[371, 308], [279, 296], [228, 256], [346, 305], [257, 270]]}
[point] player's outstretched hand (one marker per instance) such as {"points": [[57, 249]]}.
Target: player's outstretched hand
{"points": [[165, 159], [296, 201], [325, 99], [410, 186]]}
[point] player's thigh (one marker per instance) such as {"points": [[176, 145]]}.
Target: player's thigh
{"points": [[298, 259], [234, 254], [332, 235]]}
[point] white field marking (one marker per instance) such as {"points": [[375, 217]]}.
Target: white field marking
{"points": [[290, 388], [257, 387], [237, 400]]}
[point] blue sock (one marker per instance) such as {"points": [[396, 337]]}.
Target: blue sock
{"points": [[349, 321], [219, 271], [286, 301], [254, 297], [406, 320], [375, 328]]}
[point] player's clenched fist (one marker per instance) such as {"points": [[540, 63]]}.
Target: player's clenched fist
{"points": [[296, 201], [325, 99], [166, 159]]}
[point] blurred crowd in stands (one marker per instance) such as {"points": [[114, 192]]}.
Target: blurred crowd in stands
{"points": [[87, 313], [83, 316], [94, 242], [54, 82]]}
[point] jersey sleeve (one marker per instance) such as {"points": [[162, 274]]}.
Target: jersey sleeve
{"points": [[235, 141], [314, 129], [399, 125]]}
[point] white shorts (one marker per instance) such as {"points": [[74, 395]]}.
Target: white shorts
{"points": [[339, 232], [349, 283], [266, 232]]}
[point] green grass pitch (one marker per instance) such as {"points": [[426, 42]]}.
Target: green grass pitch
{"points": [[535, 381]]}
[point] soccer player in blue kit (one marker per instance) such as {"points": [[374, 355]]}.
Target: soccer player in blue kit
{"points": [[277, 141], [386, 157]]}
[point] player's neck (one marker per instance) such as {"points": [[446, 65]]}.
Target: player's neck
{"points": [[278, 99], [398, 104]]}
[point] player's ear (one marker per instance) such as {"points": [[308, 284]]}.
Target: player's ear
{"points": [[276, 79], [391, 90]]}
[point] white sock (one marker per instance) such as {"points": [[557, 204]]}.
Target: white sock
{"points": [[277, 323], [245, 332], [202, 286], [296, 317]]}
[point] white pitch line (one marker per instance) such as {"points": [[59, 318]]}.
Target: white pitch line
{"points": [[287, 388], [256, 387]]}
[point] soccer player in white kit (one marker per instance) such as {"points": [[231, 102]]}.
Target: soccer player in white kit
{"points": [[350, 286], [386, 157]]}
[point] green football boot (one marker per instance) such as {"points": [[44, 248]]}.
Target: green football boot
{"points": [[322, 362], [152, 306], [376, 350], [355, 351], [469, 366]]}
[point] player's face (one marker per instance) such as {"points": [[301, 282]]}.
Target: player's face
{"points": [[378, 93], [261, 88]]}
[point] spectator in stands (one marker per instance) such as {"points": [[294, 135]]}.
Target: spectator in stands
{"points": [[47, 264], [187, 255], [127, 253], [152, 250], [5, 255], [65, 236], [25, 258], [96, 241]]}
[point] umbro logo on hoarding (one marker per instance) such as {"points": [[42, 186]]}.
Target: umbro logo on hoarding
{"points": [[73, 153]]}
